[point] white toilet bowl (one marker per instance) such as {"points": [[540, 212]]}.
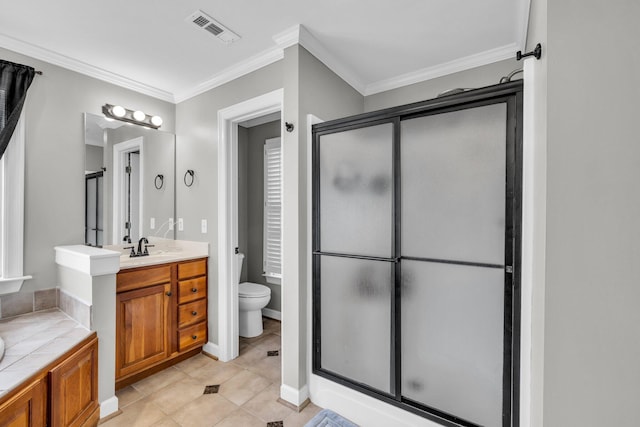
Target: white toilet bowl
{"points": [[252, 298]]}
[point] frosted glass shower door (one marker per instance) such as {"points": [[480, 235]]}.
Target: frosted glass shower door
{"points": [[352, 254], [453, 254]]}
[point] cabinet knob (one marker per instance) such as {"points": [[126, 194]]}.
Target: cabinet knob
{"points": [[195, 313], [169, 293], [194, 290], [194, 336]]}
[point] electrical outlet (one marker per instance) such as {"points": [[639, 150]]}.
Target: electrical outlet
{"points": [[170, 223], [152, 223], [203, 226], [180, 224]]}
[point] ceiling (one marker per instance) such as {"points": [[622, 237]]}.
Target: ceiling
{"points": [[375, 45]]}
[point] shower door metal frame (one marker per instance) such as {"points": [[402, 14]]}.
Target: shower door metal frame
{"points": [[509, 93]]}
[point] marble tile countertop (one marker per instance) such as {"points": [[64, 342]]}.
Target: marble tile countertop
{"points": [[33, 341]]}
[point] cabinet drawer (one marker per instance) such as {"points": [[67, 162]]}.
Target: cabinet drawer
{"points": [[192, 336], [192, 269], [192, 312], [140, 278], [191, 290]]}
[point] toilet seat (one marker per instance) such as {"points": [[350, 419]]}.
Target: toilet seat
{"points": [[253, 290]]}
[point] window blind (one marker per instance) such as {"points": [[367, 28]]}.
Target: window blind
{"points": [[272, 255]]}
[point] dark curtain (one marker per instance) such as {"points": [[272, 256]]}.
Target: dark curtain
{"points": [[15, 79]]}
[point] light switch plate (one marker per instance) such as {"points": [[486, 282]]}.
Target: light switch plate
{"points": [[203, 226], [170, 223], [180, 224]]}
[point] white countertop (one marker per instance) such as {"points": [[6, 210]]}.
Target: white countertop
{"points": [[163, 251], [33, 341]]}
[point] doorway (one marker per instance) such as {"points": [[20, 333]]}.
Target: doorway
{"points": [[228, 122], [128, 191]]}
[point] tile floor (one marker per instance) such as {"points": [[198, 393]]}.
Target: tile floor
{"points": [[249, 387]]}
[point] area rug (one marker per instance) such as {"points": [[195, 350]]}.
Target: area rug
{"points": [[327, 418]]}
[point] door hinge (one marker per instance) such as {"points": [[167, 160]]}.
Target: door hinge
{"points": [[127, 170], [236, 251]]}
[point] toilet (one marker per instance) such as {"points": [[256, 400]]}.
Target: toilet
{"points": [[252, 298]]}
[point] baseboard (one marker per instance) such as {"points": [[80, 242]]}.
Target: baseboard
{"points": [[108, 407], [294, 396], [211, 349], [272, 314]]}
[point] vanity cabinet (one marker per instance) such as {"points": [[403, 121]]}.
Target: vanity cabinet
{"points": [[64, 394], [27, 407], [161, 317]]}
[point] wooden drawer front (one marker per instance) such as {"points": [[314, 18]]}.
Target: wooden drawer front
{"points": [[192, 269], [140, 278], [192, 336], [191, 313], [191, 290]]}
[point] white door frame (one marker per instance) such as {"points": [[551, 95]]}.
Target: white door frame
{"points": [[119, 152], [228, 119]]}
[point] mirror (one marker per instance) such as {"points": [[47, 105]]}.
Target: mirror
{"points": [[129, 182]]}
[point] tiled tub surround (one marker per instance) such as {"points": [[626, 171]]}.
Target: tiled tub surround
{"points": [[27, 302], [33, 341]]}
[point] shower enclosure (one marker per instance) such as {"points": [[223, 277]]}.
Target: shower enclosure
{"points": [[416, 255]]}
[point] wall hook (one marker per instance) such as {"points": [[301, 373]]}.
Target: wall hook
{"points": [[288, 126], [537, 52], [159, 181], [189, 182]]}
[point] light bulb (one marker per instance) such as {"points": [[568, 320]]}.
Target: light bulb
{"points": [[118, 111], [156, 121], [139, 115]]}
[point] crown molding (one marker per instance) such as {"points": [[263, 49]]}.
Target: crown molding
{"points": [[298, 34], [240, 69], [457, 65], [64, 61]]}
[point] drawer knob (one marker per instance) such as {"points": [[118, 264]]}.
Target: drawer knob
{"points": [[169, 294], [194, 336], [195, 313], [194, 290]]}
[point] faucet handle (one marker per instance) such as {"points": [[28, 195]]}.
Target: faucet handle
{"points": [[146, 251], [133, 251]]}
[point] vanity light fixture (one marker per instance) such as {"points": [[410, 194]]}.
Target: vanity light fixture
{"points": [[136, 117]]}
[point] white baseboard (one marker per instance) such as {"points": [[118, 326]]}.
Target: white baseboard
{"points": [[294, 396], [212, 349], [272, 314], [108, 407]]}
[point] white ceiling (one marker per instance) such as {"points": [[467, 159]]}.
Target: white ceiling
{"points": [[375, 45]]}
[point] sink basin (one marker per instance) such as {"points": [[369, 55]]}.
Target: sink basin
{"points": [[1, 349]]}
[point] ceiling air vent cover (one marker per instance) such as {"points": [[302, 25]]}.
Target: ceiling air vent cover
{"points": [[210, 25]]}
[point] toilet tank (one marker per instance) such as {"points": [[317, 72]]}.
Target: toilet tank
{"points": [[239, 259]]}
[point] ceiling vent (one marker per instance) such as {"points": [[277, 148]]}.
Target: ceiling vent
{"points": [[213, 27]]}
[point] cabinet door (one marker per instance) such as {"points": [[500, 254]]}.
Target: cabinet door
{"points": [[27, 408], [142, 328], [74, 388]]}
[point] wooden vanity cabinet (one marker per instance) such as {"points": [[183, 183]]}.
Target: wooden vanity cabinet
{"points": [[27, 407], [63, 394], [161, 317]]}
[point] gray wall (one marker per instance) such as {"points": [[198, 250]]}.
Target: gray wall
{"points": [[55, 159], [310, 88], [592, 345], [93, 158], [485, 75], [197, 149]]}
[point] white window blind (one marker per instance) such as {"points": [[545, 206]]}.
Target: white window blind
{"points": [[272, 255]]}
